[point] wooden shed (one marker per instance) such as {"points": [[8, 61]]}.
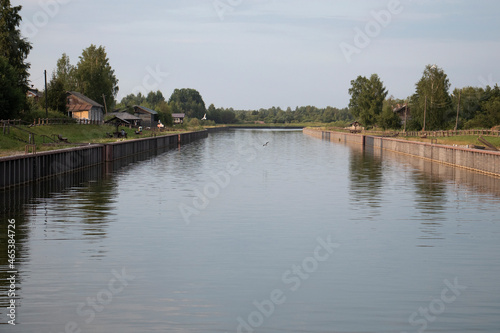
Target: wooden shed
{"points": [[83, 108], [149, 118], [178, 118]]}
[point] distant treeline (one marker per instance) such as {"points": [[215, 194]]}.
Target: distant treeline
{"points": [[303, 114]]}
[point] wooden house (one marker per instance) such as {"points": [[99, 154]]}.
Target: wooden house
{"points": [[403, 111], [149, 118], [83, 108], [125, 119], [178, 118], [34, 94]]}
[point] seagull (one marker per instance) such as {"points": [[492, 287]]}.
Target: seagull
{"points": [[204, 117], [265, 144]]}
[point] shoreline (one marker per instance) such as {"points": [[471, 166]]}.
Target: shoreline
{"points": [[483, 161]]}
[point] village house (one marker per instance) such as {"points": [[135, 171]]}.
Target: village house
{"points": [[403, 111], [149, 118], [34, 94], [178, 118], [83, 108], [125, 119]]}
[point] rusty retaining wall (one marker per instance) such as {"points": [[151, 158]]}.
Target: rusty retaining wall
{"points": [[18, 170], [23, 169], [483, 161], [121, 149], [473, 159]]}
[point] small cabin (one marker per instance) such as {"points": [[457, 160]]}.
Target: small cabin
{"points": [[178, 118], [403, 111], [149, 118], [83, 108], [34, 94], [125, 119]]}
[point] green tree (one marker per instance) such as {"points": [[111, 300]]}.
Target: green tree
{"points": [[15, 50], [12, 96], [367, 98], [188, 101], [164, 113], [155, 98], [65, 72], [432, 99], [95, 77], [388, 119], [488, 112], [56, 94]]}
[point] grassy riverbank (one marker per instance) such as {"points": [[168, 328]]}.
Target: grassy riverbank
{"points": [[458, 140], [14, 143]]}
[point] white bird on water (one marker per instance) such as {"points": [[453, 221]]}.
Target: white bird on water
{"points": [[265, 144], [204, 117]]}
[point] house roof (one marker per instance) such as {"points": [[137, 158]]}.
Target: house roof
{"points": [[399, 108], [125, 116], [178, 115], [82, 103], [145, 109], [116, 120], [34, 92]]}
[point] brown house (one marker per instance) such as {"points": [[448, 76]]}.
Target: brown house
{"points": [[83, 108], [149, 118], [403, 112], [34, 93]]}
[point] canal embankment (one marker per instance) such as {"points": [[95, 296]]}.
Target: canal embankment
{"points": [[477, 160], [24, 169]]}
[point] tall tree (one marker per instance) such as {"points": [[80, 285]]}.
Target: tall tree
{"points": [[367, 99], [155, 98], [12, 96], [189, 101], [14, 48], [65, 72], [432, 99], [56, 94], [95, 77], [388, 119]]}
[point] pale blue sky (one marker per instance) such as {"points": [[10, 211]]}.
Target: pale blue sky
{"points": [[263, 53]]}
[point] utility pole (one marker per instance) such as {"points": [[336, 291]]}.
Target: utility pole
{"points": [[458, 109], [406, 115], [425, 111], [105, 107], [46, 102]]}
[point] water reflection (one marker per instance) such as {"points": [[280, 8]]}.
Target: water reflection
{"points": [[203, 276], [430, 201], [72, 206], [366, 181]]}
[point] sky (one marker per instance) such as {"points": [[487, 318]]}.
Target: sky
{"points": [[252, 54]]}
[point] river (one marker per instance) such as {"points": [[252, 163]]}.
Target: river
{"points": [[256, 231]]}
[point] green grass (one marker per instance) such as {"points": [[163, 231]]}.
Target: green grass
{"points": [[76, 135], [460, 140]]}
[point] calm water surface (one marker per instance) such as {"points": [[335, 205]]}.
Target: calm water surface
{"points": [[228, 235]]}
